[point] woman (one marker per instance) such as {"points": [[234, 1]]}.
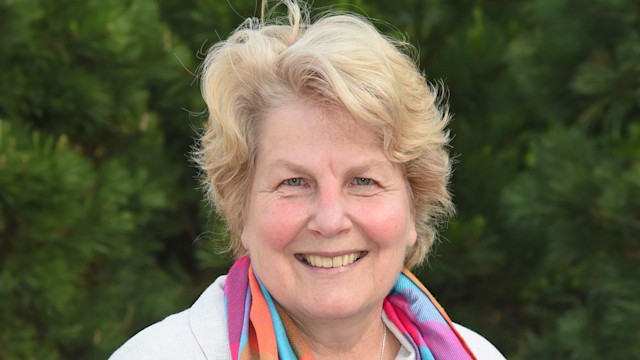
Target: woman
{"points": [[325, 154]]}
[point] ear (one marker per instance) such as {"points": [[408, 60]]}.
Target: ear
{"points": [[412, 236], [244, 241]]}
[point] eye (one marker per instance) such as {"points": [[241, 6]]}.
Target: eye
{"points": [[362, 181], [293, 182]]}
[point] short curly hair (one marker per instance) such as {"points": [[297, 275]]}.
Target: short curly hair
{"points": [[339, 60]]}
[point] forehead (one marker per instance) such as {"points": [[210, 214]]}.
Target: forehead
{"points": [[317, 140], [299, 118]]}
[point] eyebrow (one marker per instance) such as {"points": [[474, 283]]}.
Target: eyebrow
{"points": [[365, 166], [289, 165]]}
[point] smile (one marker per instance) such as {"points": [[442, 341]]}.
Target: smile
{"points": [[331, 262]]}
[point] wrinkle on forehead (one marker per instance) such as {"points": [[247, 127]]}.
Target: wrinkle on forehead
{"points": [[330, 130]]}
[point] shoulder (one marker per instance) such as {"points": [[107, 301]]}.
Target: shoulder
{"points": [[481, 347], [199, 332], [163, 340]]}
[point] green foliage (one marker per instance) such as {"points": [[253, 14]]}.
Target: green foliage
{"points": [[96, 188], [576, 212], [102, 229], [71, 235]]}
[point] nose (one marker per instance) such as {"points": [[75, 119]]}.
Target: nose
{"points": [[329, 216]]}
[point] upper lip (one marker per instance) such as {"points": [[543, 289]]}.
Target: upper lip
{"points": [[329, 254]]}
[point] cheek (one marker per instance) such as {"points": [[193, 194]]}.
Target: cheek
{"points": [[274, 225], [388, 224]]}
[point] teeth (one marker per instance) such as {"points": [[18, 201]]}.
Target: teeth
{"points": [[326, 262], [337, 261]]}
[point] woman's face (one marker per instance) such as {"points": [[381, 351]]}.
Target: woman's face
{"points": [[329, 218]]}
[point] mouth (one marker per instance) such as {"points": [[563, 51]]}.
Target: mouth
{"points": [[331, 262]]}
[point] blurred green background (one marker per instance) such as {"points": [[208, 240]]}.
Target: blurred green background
{"points": [[103, 230]]}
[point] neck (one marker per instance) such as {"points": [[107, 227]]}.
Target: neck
{"points": [[353, 338]]}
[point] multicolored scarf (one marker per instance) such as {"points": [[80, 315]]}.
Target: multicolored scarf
{"points": [[260, 329]]}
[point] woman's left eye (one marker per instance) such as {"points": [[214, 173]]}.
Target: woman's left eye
{"points": [[294, 182], [362, 181]]}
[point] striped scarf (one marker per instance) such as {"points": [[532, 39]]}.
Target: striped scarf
{"points": [[260, 329]]}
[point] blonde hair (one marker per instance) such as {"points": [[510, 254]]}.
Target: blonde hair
{"points": [[338, 60]]}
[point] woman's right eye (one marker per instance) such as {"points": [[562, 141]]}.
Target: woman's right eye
{"points": [[293, 182]]}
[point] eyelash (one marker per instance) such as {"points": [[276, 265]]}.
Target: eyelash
{"points": [[356, 181], [300, 181]]}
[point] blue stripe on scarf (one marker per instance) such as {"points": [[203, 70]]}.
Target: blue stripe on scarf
{"points": [[285, 351]]}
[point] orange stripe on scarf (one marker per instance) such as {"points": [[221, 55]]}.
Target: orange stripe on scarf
{"points": [[262, 337], [294, 335]]}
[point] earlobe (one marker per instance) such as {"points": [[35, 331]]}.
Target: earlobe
{"points": [[413, 237], [244, 241]]}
